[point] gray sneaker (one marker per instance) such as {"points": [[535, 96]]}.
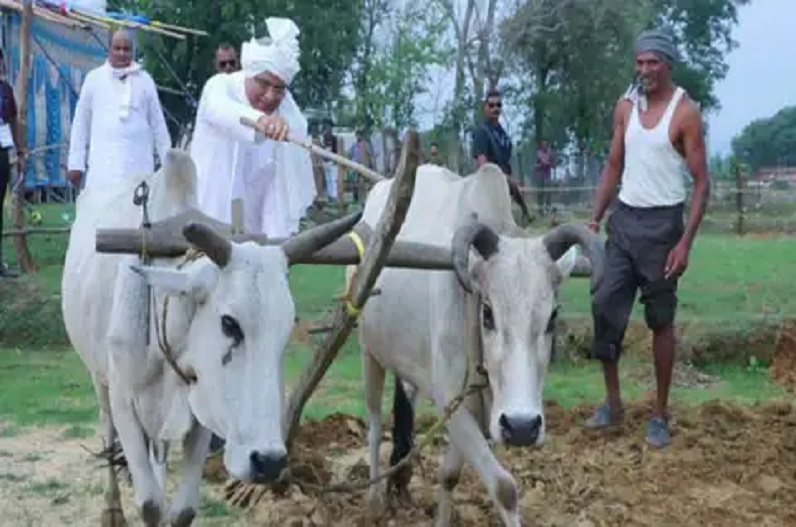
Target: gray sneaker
{"points": [[604, 416], [658, 432]]}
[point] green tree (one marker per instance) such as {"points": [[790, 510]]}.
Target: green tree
{"points": [[391, 72], [577, 57], [768, 142], [328, 39]]}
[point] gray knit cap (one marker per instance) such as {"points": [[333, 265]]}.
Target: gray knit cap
{"points": [[659, 42]]}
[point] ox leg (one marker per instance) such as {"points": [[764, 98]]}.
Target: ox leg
{"points": [[449, 474], [374, 388], [149, 496], [113, 515], [158, 455], [196, 447], [466, 437]]}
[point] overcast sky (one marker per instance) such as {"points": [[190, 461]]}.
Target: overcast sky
{"points": [[762, 75], [760, 81]]}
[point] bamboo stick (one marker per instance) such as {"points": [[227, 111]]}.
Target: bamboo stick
{"points": [[372, 176], [198, 32], [126, 23]]}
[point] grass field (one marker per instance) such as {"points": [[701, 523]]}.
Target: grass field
{"points": [[731, 280], [48, 413]]}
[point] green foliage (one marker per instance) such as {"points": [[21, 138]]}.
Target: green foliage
{"points": [[578, 57], [391, 70], [768, 142], [328, 39]]}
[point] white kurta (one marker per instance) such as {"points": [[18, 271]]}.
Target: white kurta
{"points": [[117, 127], [274, 179]]}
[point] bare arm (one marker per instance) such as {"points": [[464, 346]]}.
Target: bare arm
{"points": [[616, 163], [694, 149]]}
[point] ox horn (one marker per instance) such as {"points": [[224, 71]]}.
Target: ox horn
{"points": [[304, 244], [562, 238], [477, 235], [205, 238]]}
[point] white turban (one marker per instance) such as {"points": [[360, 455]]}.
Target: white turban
{"points": [[278, 54]]}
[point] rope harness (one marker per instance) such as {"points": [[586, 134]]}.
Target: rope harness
{"points": [[241, 491], [240, 494], [141, 199]]}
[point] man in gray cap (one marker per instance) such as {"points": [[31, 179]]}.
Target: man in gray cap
{"points": [[657, 139]]}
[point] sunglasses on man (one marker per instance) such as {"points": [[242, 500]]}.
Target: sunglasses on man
{"points": [[227, 63]]}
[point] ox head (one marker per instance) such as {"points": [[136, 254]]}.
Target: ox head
{"points": [[241, 317], [515, 279]]}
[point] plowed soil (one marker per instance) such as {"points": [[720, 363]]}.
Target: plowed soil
{"points": [[727, 465]]}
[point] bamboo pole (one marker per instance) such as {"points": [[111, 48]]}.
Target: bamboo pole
{"points": [[126, 23], [197, 32], [35, 230], [363, 282], [371, 175], [24, 258]]}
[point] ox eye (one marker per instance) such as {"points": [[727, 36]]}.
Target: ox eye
{"points": [[551, 324], [487, 317], [231, 329]]}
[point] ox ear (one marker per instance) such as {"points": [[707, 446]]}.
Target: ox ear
{"points": [[195, 281], [566, 264]]}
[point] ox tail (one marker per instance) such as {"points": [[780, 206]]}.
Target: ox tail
{"points": [[402, 432]]}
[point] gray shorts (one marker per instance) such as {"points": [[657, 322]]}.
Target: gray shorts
{"points": [[639, 241]]}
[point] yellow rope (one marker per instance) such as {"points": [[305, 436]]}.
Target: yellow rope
{"points": [[351, 309]]}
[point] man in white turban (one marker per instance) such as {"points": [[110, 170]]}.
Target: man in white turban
{"points": [[271, 178]]}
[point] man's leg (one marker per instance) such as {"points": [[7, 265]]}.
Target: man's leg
{"points": [[611, 307], [663, 230], [5, 179]]}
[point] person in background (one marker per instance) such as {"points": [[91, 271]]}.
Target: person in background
{"points": [[226, 60], [9, 137], [118, 123], [491, 144], [657, 140], [544, 170], [362, 153], [330, 143], [433, 154]]}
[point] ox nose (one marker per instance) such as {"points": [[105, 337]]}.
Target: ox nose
{"points": [[520, 431], [267, 467]]}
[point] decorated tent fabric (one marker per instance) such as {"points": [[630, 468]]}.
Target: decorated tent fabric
{"points": [[60, 59]]}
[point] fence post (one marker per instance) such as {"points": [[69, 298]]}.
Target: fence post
{"points": [[739, 184], [24, 259]]}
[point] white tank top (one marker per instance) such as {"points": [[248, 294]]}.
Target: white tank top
{"points": [[654, 171]]}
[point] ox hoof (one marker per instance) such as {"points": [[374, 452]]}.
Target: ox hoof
{"points": [[150, 513], [113, 517], [375, 504], [184, 518]]}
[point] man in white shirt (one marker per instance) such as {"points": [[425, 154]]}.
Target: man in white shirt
{"points": [[118, 123], [271, 178], [658, 139]]}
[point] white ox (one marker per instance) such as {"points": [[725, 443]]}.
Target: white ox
{"points": [[498, 306], [230, 316]]}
